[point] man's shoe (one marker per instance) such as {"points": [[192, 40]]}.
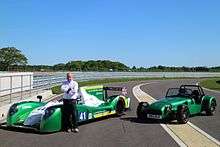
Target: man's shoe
{"points": [[75, 130], [68, 130]]}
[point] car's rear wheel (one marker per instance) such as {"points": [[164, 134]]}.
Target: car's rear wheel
{"points": [[210, 109], [141, 109], [183, 114], [120, 107]]}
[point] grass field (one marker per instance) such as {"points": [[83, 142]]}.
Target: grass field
{"points": [[212, 83]]}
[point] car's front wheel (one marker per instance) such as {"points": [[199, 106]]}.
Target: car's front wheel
{"points": [[141, 110], [183, 114], [210, 108]]}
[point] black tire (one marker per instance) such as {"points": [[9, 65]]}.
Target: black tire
{"points": [[210, 108], [120, 107], [141, 110], [182, 114]]}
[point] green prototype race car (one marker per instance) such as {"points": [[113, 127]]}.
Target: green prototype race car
{"points": [[179, 104], [94, 102]]}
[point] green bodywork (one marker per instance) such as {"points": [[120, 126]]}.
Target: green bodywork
{"points": [[23, 110], [19, 112], [167, 108], [159, 107]]}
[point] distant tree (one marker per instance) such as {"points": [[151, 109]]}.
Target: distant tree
{"points": [[161, 67], [185, 69], [134, 68], [215, 69], [75, 65], [99, 65], [201, 69], [10, 56], [59, 67]]}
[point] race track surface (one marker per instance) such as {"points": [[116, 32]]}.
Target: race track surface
{"points": [[116, 131]]}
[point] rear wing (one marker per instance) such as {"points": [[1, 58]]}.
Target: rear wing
{"points": [[113, 88], [123, 90]]}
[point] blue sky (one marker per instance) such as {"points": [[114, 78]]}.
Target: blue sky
{"points": [[135, 32]]}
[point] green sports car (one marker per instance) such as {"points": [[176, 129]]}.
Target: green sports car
{"points": [[179, 104], [94, 102]]}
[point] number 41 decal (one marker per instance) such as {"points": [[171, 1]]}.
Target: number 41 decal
{"points": [[82, 116]]}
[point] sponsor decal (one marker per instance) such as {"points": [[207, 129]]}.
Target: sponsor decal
{"points": [[90, 116], [82, 116], [124, 91], [94, 90], [102, 114]]}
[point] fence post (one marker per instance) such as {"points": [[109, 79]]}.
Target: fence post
{"points": [[10, 89], [21, 86], [30, 85], [51, 80], [0, 86]]}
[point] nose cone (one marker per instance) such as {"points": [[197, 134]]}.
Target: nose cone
{"points": [[158, 105]]}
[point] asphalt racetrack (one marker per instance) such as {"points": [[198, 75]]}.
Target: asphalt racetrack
{"points": [[121, 131]]}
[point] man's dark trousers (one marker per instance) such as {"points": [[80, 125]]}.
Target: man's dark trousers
{"points": [[69, 114]]}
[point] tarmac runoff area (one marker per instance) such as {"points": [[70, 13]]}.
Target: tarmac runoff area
{"points": [[184, 135]]}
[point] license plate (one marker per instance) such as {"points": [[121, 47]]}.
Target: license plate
{"points": [[154, 116]]}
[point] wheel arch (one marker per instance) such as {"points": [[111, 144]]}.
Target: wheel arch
{"points": [[121, 99], [54, 122], [206, 100]]}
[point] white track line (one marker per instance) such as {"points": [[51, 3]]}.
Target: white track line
{"points": [[204, 133], [169, 131], [173, 135]]}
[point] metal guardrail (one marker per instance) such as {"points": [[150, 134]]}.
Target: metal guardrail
{"points": [[44, 81], [50, 79], [11, 89]]}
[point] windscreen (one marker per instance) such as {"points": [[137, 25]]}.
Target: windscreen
{"points": [[172, 92], [178, 92]]}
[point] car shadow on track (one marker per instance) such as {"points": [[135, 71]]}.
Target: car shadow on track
{"points": [[31, 131], [18, 130], [149, 121]]}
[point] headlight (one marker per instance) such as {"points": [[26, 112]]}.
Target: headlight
{"points": [[168, 109], [33, 120], [48, 112], [13, 109]]}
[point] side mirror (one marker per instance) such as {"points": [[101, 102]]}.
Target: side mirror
{"points": [[79, 99], [39, 97]]}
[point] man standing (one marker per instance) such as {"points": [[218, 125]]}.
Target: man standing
{"points": [[70, 89]]}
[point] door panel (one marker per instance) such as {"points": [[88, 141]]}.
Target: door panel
{"points": [[194, 108]]}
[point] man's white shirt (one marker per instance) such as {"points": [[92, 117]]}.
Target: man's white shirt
{"points": [[73, 93]]}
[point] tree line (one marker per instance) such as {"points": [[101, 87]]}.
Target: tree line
{"points": [[12, 59], [161, 68], [91, 65]]}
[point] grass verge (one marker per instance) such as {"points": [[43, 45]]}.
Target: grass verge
{"points": [[57, 90], [212, 83]]}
